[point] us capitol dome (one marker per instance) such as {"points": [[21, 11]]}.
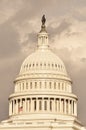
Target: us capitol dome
{"points": [[43, 97]]}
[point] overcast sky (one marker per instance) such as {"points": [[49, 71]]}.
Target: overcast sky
{"points": [[20, 21]]}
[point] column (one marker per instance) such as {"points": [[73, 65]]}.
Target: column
{"points": [[32, 105], [23, 102], [10, 107], [75, 108], [60, 105], [57, 103], [72, 107], [21, 107], [28, 105], [13, 106], [43, 105], [48, 105], [69, 107], [53, 105], [16, 106], [37, 104], [65, 106], [25, 105]]}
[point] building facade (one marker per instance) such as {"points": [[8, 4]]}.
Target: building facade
{"points": [[43, 97]]}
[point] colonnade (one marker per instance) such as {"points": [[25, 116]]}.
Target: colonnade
{"points": [[54, 105], [44, 85]]}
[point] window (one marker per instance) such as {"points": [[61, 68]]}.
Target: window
{"points": [[52, 65], [40, 84], [37, 64], [48, 64], [45, 84], [58, 66], [20, 86], [44, 64], [29, 65], [58, 85], [31, 85], [50, 84], [55, 65], [35, 84], [54, 85], [23, 86], [26, 85], [40, 64]]}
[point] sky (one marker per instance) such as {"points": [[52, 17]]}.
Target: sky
{"points": [[20, 22]]}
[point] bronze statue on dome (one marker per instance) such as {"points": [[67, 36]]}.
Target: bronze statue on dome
{"points": [[43, 20]]}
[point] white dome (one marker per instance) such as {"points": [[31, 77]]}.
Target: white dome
{"points": [[43, 59]]}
